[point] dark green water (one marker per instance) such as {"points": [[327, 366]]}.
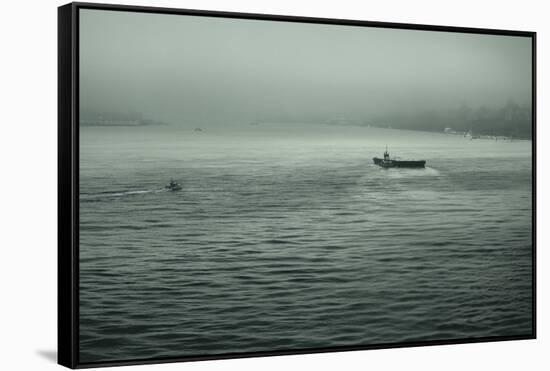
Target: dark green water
{"points": [[290, 238]]}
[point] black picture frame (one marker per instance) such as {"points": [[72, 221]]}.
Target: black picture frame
{"points": [[68, 179]]}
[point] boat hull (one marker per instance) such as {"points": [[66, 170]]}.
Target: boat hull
{"points": [[399, 163]]}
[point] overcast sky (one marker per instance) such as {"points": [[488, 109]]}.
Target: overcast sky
{"points": [[189, 69]]}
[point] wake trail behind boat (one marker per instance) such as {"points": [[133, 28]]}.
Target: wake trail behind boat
{"points": [[399, 173], [121, 194]]}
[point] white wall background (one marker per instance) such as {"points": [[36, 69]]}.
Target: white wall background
{"points": [[28, 155]]}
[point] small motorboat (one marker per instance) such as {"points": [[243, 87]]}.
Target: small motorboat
{"points": [[173, 186]]}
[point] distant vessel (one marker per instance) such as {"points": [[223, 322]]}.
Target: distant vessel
{"points": [[387, 162], [173, 186]]}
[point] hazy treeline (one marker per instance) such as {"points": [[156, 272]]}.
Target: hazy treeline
{"points": [[130, 118], [511, 119], [106, 115]]}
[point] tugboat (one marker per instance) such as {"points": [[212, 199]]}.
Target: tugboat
{"points": [[386, 162], [173, 186]]}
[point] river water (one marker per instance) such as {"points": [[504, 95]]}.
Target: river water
{"points": [[288, 237]]}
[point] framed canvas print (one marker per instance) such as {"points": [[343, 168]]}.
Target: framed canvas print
{"points": [[236, 185]]}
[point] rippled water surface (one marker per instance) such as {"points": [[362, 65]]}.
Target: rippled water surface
{"points": [[289, 237]]}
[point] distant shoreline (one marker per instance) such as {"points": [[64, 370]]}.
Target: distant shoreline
{"points": [[120, 123], [496, 137]]}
